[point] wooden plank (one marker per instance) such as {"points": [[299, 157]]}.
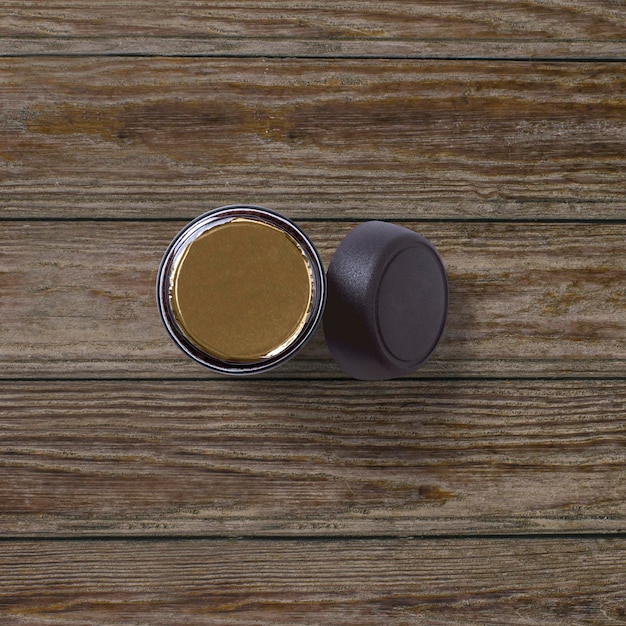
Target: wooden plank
{"points": [[369, 19], [525, 300], [355, 48], [94, 137], [248, 457], [340, 582], [280, 27]]}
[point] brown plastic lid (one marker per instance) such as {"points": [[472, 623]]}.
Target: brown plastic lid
{"points": [[387, 301]]}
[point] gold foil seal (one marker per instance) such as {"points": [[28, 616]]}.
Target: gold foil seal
{"points": [[242, 290]]}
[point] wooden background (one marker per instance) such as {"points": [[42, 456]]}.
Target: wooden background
{"points": [[488, 488]]}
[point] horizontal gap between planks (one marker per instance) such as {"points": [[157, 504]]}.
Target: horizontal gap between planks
{"points": [[273, 38], [590, 536], [299, 379], [217, 48], [340, 220], [319, 57]]}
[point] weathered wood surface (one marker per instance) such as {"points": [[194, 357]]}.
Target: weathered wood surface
{"points": [[331, 458], [163, 138], [351, 19], [526, 300], [556, 582], [279, 48], [467, 121], [568, 29]]}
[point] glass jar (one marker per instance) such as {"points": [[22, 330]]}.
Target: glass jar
{"points": [[241, 289]]}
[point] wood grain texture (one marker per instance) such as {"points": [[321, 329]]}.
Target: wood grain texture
{"points": [[466, 121], [525, 300], [500, 19], [341, 582], [351, 48], [92, 137], [268, 457], [567, 28]]}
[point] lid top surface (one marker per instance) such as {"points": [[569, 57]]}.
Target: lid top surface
{"points": [[242, 290], [410, 305]]}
